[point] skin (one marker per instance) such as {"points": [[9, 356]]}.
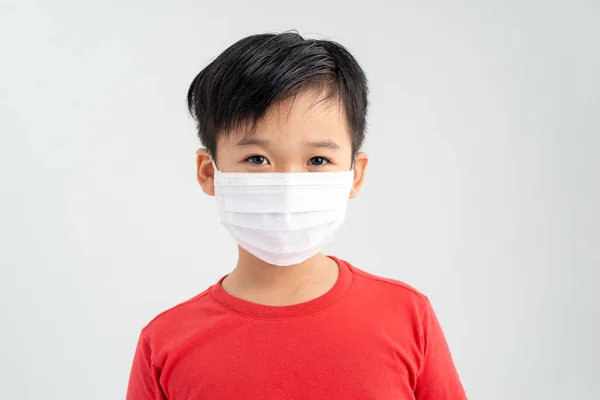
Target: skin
{"points": [[301, 134]]}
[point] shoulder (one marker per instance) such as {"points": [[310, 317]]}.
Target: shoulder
{"points": [[386, 292], [392, 304], [388, 284], [177, 318]]}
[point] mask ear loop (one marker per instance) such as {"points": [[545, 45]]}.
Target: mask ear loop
{"points": [[213, 162]]}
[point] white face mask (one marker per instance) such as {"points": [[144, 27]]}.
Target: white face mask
{"points": [[283, 218]]}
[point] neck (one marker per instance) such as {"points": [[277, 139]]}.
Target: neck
{"points": [[259, 282]]}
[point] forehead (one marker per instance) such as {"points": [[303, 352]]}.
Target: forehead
{"points": [[311, 115]]}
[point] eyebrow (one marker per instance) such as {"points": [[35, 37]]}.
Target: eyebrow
{"points": [[250, 141], [318, 144], [323, 144]]}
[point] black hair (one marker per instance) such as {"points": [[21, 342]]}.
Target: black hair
{"points": [[236, 89]]}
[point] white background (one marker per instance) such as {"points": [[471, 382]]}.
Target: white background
{"points": [[483, 188]]}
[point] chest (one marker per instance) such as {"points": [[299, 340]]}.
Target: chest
{"points": [[296, 361]]}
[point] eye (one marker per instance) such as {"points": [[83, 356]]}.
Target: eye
{"points": [[318, 161], [257, 160]]}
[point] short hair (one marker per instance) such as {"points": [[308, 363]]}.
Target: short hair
{"points": [[236, 89]]}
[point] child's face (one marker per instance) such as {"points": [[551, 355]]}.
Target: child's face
{"points": [[302, 134]]}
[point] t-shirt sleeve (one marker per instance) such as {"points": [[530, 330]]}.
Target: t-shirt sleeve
{"points": [[144, 378], [438, 378]]}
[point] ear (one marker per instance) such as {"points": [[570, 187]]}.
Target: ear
{"points": [[360, 166], [205, 172]]}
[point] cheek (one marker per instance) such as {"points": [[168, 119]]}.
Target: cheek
{"points": [[225, 156], [344, 160], [225, 162], [345, 157], [344, 165]]}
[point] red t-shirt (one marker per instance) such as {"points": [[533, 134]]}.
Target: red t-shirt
{"points": [[367, 338]]}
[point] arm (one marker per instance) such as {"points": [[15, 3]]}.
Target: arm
{"points": [[438, 378], [144, 378]]}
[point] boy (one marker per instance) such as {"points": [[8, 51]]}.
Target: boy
{"points": [[283, 120]]}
